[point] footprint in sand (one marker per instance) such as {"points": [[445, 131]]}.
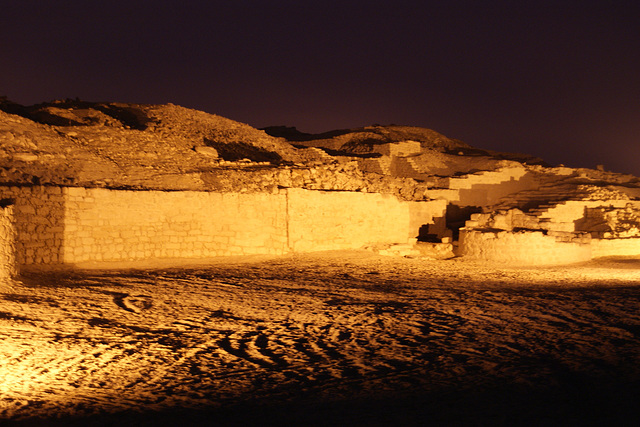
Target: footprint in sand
{"points": [[133, 303]]}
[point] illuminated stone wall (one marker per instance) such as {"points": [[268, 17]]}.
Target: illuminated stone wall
{"points": [[39, 215], [56, 226], [524, 247], [107, 225], [328, 220], [7, 243], [615, 247], [77, 225], [112, 225]]}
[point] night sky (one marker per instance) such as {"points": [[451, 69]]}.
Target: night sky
{"points": [[560, 80]]}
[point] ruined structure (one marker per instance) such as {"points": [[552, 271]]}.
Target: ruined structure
{"points": [[586, 222], [92, 183], [75, 225]]}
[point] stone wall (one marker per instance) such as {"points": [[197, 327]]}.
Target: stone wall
{"points": [[39, 215], [7, 243], [77, 225], [345, 175], [524, 247], [321, 220], [615, 247], [108, 225]]}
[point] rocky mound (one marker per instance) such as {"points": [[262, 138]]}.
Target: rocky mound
{"points": [[168, 147], [364, 140], [73, 142], [432, 152]]}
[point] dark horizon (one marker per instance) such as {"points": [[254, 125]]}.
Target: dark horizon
{"points": [[555, 80]]}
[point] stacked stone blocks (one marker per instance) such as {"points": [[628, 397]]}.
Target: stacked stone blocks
{"points": [[38, 221], [7, 242], [524, 247], [75, 225], [570, 231], [107, 225], [343, 220]]}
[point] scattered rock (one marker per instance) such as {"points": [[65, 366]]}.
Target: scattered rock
{"points": [[25, 157], [206, 151]]}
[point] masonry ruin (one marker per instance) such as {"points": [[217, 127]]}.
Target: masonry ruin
{"points": [[142, 189], [47, 226], [50, 226]]}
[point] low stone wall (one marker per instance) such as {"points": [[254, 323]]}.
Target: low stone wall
{"points": [[523, 247], [77, 225], [7, 243], [615, 247]]}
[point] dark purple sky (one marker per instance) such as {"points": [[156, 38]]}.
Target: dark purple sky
{"points": [[559, 79]]}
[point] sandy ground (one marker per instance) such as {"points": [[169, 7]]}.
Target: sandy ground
{"points": [[338, 338]]}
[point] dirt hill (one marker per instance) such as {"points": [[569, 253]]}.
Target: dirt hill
{"points": [[129, 145]]}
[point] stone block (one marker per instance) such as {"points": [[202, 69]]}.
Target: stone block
{"points": [[24, 209]]}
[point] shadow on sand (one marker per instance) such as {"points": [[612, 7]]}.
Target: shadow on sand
{"points": [[575, 402]]}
